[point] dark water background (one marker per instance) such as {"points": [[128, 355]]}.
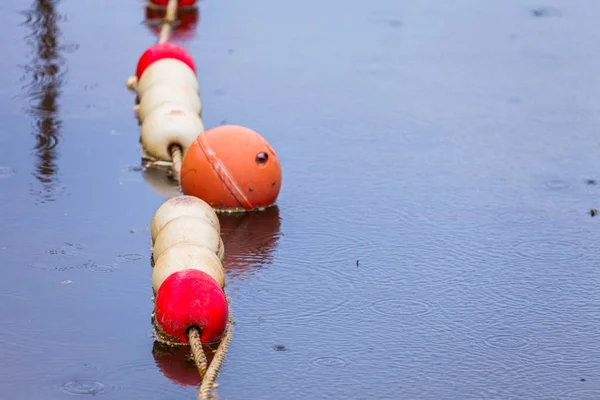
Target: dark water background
{"points": [[446, 145]]}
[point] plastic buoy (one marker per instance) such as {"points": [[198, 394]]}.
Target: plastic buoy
{"points": [[232, 168], [180, 206], [167, 125], [186, 229], [191, 298], [182, 3], [170, 72], [161, 93], [163, 50], [182, 256]]}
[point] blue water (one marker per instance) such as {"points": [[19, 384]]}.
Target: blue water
{"points": [[432, 239]]}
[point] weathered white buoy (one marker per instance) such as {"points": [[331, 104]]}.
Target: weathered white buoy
{"points": [[180, 206], [182, 256], [162, 93], [167, 71], [167, 125], [186, 229]]}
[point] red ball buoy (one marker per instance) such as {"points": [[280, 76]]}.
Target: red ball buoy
{"points": [[232, 168], [191, 298], [182, 3], [164, 50]]}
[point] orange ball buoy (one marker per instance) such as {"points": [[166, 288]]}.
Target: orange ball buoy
{"points": [[232, 168]]}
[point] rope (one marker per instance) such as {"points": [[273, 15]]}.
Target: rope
{"points": [[197, 350], [177, 156], [170, 17], [215, 366]]}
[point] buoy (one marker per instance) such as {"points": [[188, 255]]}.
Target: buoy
{"points": [[191, 298], [182, 3], [161, 51], [168, 71], [232, 168], [186, 229], [161, 93], [168, 125], [183, 256], [180, 206]]}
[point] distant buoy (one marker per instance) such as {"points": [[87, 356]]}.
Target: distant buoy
{"points": [[191, 298], [232, 168]]}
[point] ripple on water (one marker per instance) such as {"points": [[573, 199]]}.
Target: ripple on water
{"points": [[329, 362], [404, 307], [551, 251], [129, 257], [281, 296], [85, 387], [581, 394], [566, 357], [507, 342], [329, 247], [102, 268]]}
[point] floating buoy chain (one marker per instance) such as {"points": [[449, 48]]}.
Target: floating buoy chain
{"points": [[188, 281]]}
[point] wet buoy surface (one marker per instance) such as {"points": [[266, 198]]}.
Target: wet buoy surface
{"points": [[180, 206], [232, 168], [186, 229], [183, 256], [191, 298], [161, 51]]}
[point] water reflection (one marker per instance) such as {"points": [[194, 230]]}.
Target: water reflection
{"points": [[184, 28], [45, 73], [250, 241], [176, 363]]}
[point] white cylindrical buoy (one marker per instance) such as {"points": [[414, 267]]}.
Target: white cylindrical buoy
{"points": [[186, 229], [182, 256], [180, 206], [162, 93], [167, 71], [167, 125]]}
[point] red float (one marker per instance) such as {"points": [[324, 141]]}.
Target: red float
{"points": [[164, 50], [231, 168], [182, 3], [191, 298]]}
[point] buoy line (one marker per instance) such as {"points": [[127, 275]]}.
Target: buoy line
{"points": [[228, 168]]}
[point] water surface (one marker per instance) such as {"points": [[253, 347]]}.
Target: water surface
{"points": [[432, 239]]}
